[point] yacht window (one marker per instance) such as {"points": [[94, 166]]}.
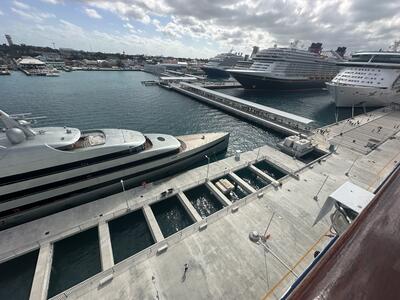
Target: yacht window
{"points": [[387, 59], [160, 138], [361, 57]]}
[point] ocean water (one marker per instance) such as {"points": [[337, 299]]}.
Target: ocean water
{"points": [[119, 100], [315, 104]]}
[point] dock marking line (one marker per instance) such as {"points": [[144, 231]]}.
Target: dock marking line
{"points": [[295, 265]]}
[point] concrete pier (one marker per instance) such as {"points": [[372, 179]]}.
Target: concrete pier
{"points": [[264, 175], [152, 223], [41, 278], [218, 194], [106, 252], [214, 271], [189, 207], [262, 115], [247, 187]]}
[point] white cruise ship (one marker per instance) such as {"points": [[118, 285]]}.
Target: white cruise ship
{"points": [[368, 79], [216, 67], [47, 169], [289, 69]]}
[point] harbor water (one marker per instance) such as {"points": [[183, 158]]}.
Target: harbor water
{"points": [[89, 100], [118, 100], [251, 178], [171, 216], [129, 235], [75, 259], [203, 201], [315, 104], [236, 193], [17, 276]]}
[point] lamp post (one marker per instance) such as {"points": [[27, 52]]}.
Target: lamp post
{"points": [[348, 171], [208, 165], [258, 154], [316, 196], [123, 186]]}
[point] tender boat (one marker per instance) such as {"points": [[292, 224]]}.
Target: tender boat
{"points": [[48, 169]]}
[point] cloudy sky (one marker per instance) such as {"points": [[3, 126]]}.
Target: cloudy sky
{"points": [[200, 28]]}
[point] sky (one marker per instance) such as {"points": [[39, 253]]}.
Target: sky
{"points": [[200, 28]]}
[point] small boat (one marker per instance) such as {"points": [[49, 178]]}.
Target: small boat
{"points": [[52, 73], [4, 70], [296, 146]]}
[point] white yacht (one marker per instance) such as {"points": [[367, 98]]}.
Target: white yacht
{"points": [[289, 68], [216, 67], [50, 168], [367, 79]]}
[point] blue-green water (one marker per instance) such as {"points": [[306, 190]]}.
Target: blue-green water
{"points": [[75, 259], [16, 276], [270, 169], [129, 234], [313, 104], [171, 216], [237, 193], [203, 201], [251, 178], [119, 100]]}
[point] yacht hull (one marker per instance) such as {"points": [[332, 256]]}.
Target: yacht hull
{"points": [[131, 178], [269, 83], [357, 96], [215, 72]]}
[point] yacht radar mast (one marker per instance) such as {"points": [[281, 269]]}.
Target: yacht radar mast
{"points": [[18, 127]]}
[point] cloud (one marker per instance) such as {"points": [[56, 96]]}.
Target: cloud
{"points": [[32, 15], [241, 24], [124, 10], [93, 13], [1, 13], [21, 5], [53, 1]]}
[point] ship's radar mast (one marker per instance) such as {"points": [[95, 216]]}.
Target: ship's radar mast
{"points": [[18, 127]]}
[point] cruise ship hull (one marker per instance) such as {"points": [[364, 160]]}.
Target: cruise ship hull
{"points": [[215, 72], [96, 188], [357, 96], [269, 83]]}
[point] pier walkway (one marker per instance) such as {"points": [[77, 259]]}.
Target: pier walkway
{"points": [[268, 117], [223, 262]]}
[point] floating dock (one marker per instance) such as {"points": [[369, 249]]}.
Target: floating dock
{"points": [[284, 122], [223, 262]]}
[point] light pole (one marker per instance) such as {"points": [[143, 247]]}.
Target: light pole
{"points": [[208, 165], [348, 171], [123, 186], [258, 154], [316, 196]]}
